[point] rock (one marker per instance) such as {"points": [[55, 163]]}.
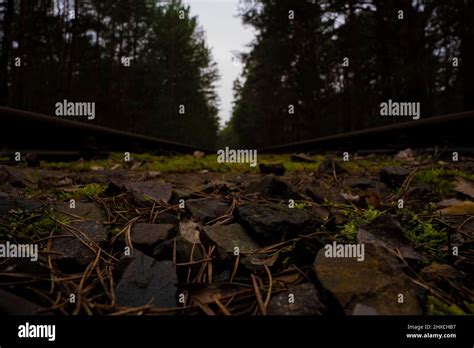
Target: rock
{"points": [[320, 194], [11, 304], [387, 233], [393, 175], [375, 282], [365, 182], [227, 237], [70, 253], [145, 236], [144, 192], [269, 224], [301, 157], [178, 194], [146, 279], [117, 177], [361, 309], [184, 250], [419, 189], [407, 155], [207, 209], [271, 186], [8, 202], [198, 154], [189, 230], [326, 167], [306, 302], [17, 177], [222, 187], [32, 159], [113, 189], [272, 168], [167, 218], [87, 211]]}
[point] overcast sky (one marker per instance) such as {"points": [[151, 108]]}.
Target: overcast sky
{"points": [[225, 34]]}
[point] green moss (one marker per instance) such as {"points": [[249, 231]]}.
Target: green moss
{"points": [[425, 236], [89, 190], [437, 307], [441, 180], [186, 163], [302, 205], [436, 179], [348, 232], [29, 226], [370, 165]]}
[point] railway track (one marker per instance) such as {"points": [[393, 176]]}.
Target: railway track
{"points": [[56, 138], [53, 137], [454, 131]]}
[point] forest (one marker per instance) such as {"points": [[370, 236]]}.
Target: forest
{"points": [[147, 66], [334, 62], [144, 64]]}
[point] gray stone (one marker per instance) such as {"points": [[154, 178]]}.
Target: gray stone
{"points": [[375, 282], [167, 218], [70, 253], [206, 209], [227, 237], [320, 194], [271, 186], [87, 211], [8, 202], [387, 233], [365, 182], [393, 175], [272, 168], [269, 224], [326, 167], [145, 192], [146, 279], [11, 304], [306, 302], [17, 177], [184, 250], [189, 230], [145, 235]]}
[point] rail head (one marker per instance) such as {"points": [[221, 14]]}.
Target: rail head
{"points": [[70, 124]]}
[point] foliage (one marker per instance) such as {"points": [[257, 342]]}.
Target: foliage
{"points": [[29, 226], [78, 51], [348, 232], [305, 68], [425, 235]]}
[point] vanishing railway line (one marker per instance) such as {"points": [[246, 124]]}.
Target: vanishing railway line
{"points": [[59, 138], [452, 131], [53, 137]]}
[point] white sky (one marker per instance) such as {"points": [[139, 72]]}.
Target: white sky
{"points": [[225, 34]]}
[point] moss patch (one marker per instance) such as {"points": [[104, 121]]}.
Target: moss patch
{"points": [[28, 227], [348, 232], [184, 163]]}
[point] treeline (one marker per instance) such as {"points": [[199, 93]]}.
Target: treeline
{"points": [[144, 63], [323, 67]]}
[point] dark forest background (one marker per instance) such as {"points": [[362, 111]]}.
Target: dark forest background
{"points": [[73, 50], [300, 62], [296, 62]]}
